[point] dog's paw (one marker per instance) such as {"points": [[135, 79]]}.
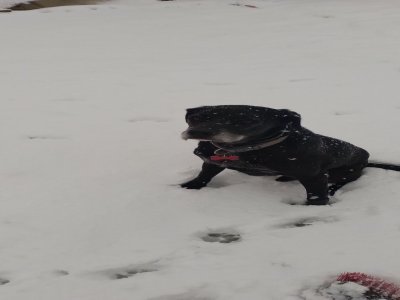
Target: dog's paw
{"points": [[194, 184], [317, 202]]}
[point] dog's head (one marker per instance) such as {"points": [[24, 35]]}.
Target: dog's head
{"points": [[233, 124]]}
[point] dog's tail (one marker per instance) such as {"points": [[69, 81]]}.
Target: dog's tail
{"points": [[384, 166]]}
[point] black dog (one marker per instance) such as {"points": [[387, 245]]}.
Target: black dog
{"points": [[264, 141]]}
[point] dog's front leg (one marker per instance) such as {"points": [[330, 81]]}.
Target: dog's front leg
{"points": [[317, 189], [208, 171]]}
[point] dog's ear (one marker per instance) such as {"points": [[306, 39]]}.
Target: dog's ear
{"points": [[291, 116]]}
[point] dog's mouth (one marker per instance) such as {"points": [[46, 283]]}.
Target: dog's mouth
{"points": [[238, 143], [228, 138], [191, 134], [221, 137]]}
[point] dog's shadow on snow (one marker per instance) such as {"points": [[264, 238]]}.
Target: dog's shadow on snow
{"points": [[290, 192]]}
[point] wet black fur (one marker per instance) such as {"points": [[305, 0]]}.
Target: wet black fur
{"points": [[321, 164]]}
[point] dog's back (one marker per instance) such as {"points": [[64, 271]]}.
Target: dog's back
{"points": [[339, 153]]}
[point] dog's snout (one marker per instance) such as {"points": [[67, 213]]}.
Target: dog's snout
{"points": [[191, 133], [185, 135]]}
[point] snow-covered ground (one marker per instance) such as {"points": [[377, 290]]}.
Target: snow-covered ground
{"points": [[92, 106]]}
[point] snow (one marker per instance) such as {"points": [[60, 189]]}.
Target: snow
{"points": [[93, 101], [8, 3], [337, 291]]}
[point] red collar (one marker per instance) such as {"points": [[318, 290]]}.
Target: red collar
{"points": [[222, 155]]}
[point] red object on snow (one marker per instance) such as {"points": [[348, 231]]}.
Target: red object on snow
{"points": [[224, 157], [378, 285]]}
